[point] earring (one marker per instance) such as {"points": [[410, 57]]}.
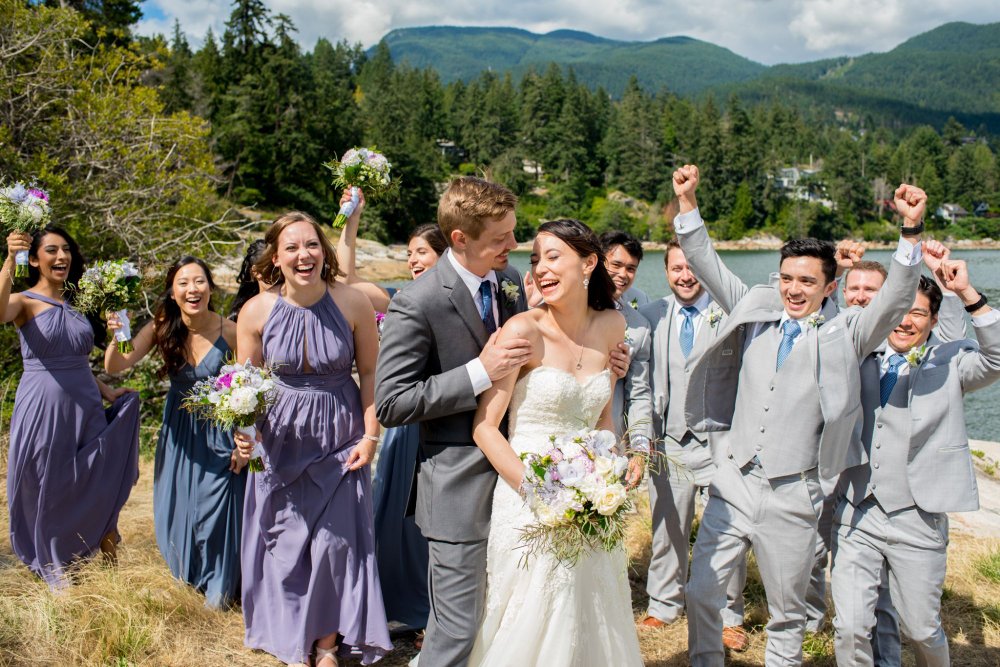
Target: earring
{"points": [[586, 282], [326, 270]]}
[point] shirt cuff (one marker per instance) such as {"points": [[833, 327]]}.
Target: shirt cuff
{"points": [[685, 223], [478, 376], [986, 319], [908, 254]]}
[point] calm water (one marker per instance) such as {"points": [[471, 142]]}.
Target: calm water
{"points": [[754, 267]]}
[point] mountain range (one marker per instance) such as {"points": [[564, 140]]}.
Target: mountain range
{"points": [[952, 70]]}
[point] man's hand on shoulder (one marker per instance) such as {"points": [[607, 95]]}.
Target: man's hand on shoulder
{"points": [[503, 355]]}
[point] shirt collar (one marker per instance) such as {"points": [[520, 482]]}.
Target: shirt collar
{"points": [[471, 280], [701, 303]]}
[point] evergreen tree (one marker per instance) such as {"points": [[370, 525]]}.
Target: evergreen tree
{"points": [[177, 86]]}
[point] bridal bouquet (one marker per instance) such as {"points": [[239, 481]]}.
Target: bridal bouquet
{"points": [[576, 489], [110, 286], [235, 398], [23, 209], [362, 169]]}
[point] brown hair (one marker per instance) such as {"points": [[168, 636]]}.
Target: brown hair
{"points": [[170, 334], [430, 233], [469, 203], [584, 242], [671, 244], [869, 265], [270, 273]]}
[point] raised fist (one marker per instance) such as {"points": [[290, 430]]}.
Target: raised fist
{"points": [[911, 202], [685, 180]]}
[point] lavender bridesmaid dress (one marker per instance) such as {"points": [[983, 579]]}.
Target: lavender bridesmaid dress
{"points": [[72, 464], [308, 543]]}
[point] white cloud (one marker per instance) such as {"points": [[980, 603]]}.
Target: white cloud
{"points": [[768, 31]]}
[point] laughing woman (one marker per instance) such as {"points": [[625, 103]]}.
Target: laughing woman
{"points": [[310, 584], [198, 487], [72, 463]]}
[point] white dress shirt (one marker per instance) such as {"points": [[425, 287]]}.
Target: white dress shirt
{"points": [[701, 303], [477, 372]]}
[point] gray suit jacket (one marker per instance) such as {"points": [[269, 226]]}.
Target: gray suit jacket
{"points": [[939, 471], [431, 331], [838, 347], [632, 404]]}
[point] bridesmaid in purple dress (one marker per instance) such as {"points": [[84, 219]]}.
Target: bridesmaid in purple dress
{"points": [[71, 463], [310, 582]]}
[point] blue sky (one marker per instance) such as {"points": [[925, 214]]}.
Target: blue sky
{"points": [[768, 31]]}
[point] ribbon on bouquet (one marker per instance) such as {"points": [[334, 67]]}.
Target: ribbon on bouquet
{"points": [[257, 455], [348, 207], [124, 334]]}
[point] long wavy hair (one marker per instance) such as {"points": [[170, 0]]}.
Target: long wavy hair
{"points": [[584, 242], [247, 280], [170, 334], [270, 273], [76, 268]]}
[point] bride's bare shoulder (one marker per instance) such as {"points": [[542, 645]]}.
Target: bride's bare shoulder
{"points": [[612, 323], [522, 325]]}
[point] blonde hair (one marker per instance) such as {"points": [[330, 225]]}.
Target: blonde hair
{"points": [[469, 203], [270, 273]]}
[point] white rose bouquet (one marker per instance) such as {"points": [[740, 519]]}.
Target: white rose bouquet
{"points": [[23, 209], [577, 491], [362, 169], [235, 398], [110, 287]]}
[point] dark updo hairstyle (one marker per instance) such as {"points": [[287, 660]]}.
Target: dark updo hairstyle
{"points": [[170, 334], [75, 273], [583, 241], [433, 235], [247, 280], [270, 273]]}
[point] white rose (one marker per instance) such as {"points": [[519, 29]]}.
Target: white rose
{"points": [[610, 499], [603, 466], [243, 401], [547, 515], [32, 210]]}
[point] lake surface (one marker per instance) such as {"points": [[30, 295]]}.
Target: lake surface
{"points": [[981, 408]]}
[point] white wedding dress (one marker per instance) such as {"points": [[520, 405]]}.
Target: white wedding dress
{"points": [[547, 613]]}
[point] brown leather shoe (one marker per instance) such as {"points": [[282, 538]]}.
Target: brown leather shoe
{"points": [[652, 622], [735, 638]]}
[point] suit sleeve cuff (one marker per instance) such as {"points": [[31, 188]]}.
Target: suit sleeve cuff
{"points": [[986, 319], [640, 443], [478, 376], [908, 254], [685, 223]]}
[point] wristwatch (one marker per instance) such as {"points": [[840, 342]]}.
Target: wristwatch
{"points": [[977, 305], [912, 231]]}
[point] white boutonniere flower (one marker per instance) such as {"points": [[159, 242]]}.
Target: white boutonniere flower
{"points": [[510, 291], [634, 303], [916, 356], [815, 320], [714, 317]]}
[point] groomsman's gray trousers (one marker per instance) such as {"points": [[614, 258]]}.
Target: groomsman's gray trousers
{"points": [[687, 469], [912, 544], [778, 518]]}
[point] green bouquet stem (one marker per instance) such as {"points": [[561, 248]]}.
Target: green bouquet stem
{"points": [[339, 221], [125, 346], [21, 271]]}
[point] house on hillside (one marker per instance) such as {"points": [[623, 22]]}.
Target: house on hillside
{"points": [[802, 184], [951, 212]]}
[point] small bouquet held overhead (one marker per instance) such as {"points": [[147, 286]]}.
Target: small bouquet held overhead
{"points": [[577, 491], [235, 398], [363, 169], [112, 286], [23, 209]]}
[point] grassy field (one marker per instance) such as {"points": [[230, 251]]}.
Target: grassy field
{"points": [[136, 614]]}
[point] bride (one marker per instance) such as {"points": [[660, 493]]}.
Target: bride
{"points": [[548, 613]]}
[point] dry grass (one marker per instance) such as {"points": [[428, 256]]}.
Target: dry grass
{"points": [[137, 614]]}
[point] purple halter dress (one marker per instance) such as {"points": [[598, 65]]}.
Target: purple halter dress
{"points": [[72, 464], [308, 551]]}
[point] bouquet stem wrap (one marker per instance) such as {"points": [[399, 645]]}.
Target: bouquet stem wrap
{"points": [[21, 264], [347, 210], [256, 461], [124, 335]]}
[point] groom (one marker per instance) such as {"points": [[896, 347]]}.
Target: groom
{"points": [[438, 354]]}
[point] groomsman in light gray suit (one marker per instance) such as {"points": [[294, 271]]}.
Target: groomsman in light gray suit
{"points": [[781, 383], [685, 320], [438, 353], [893, 516], [632, 403]]}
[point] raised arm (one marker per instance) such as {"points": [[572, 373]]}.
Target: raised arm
{"points": [[10, 304], [981, 368], [347, 258], [951, 316], [114, 361], [724, 285], [873, 324]]}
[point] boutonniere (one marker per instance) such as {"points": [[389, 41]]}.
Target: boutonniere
{"points": [[628, 340], [916, 356], [510, 291], [815, 320], [714, 317], [634, 303]]}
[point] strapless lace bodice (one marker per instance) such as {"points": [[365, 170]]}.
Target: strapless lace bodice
{"points": [[550, 401]]}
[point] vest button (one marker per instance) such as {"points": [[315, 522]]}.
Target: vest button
{"points": [[878, 445], [758, 448], [761, 429], [766, 408], [875, 465], [879, 424]]}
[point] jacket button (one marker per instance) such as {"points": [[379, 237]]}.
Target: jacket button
{"points": [[766, 408], [880, 425], [878, 445], [761, 429], [758, 448], [875, 465]]}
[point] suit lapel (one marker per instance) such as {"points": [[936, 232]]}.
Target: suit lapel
{"points": [[461, 299], [503, 303]]}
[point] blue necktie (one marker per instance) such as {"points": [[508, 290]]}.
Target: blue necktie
{"points": [[486, 297], [888, 381], [790, 329], [687, 329]]}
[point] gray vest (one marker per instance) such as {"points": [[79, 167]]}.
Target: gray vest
{"points": [[675, 423], [885, 475], [774, 420]]}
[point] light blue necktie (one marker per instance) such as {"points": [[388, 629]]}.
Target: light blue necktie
{"points": [[888, 381], [486, 296], [687, 329], [790, 329]]}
